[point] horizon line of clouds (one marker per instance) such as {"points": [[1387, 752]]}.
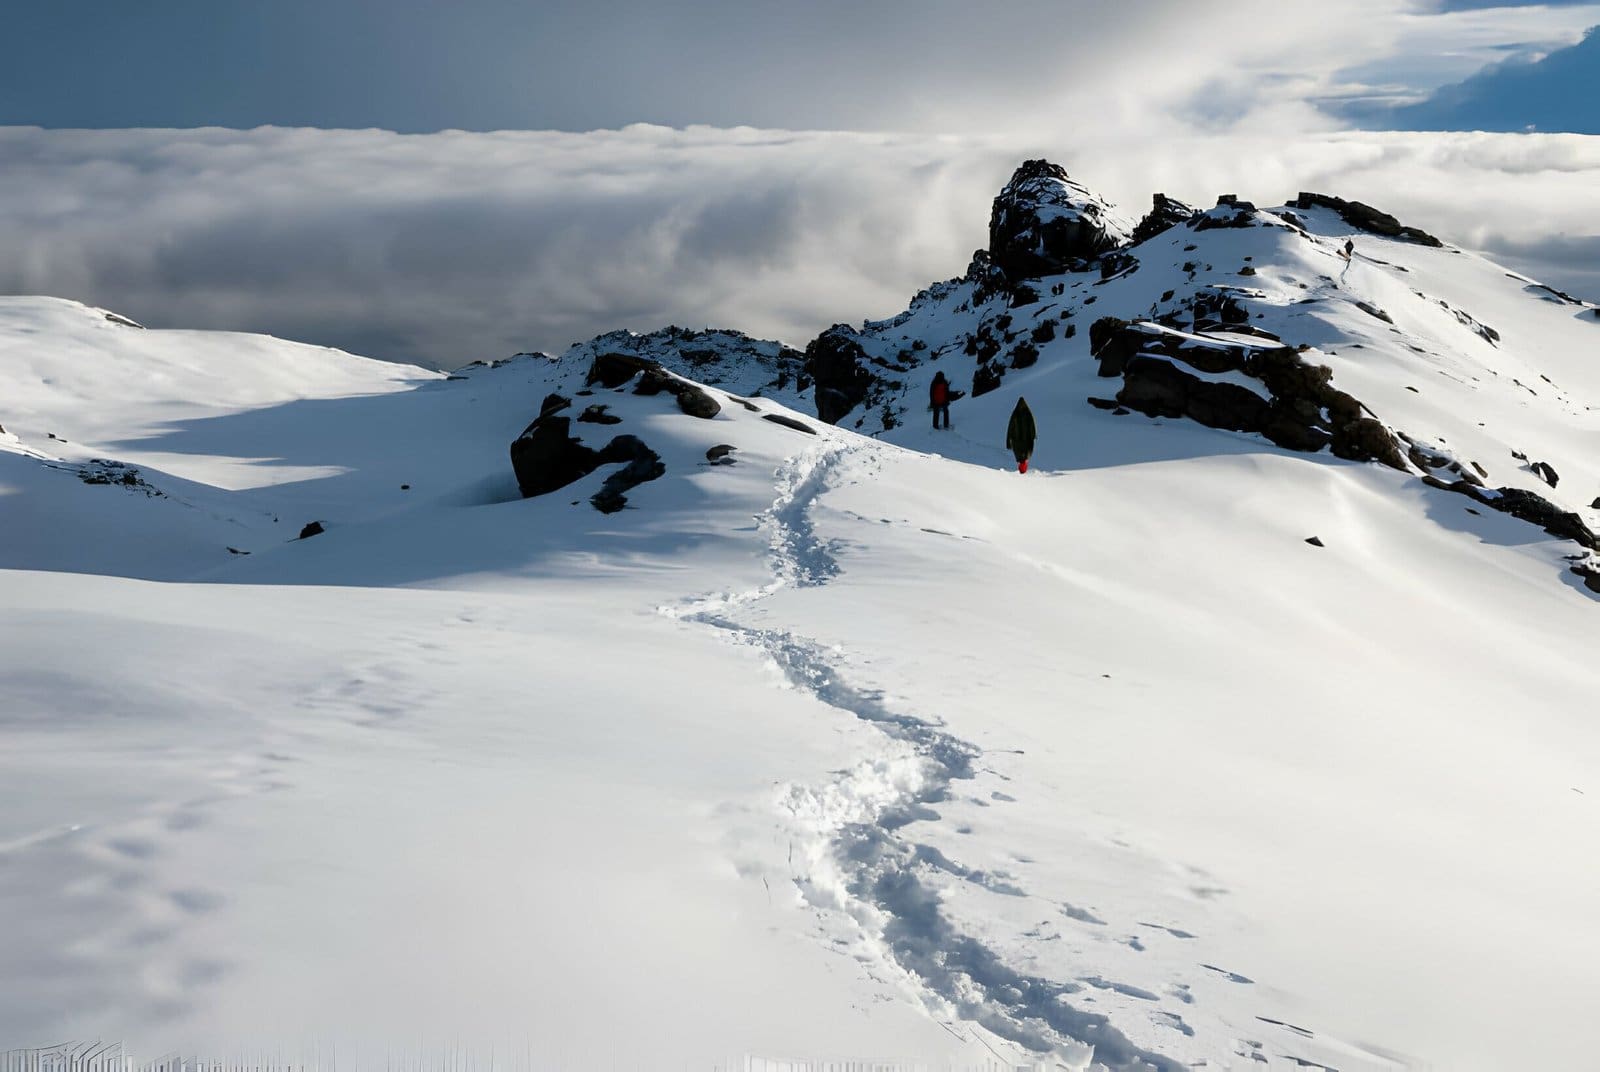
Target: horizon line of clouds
{"points": [[445, 248]]}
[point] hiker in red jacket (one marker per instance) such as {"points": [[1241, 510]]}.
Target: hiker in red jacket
{"points": [[939, 397]]}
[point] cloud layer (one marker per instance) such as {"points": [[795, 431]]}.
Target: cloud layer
{"points": [[449, 247]]}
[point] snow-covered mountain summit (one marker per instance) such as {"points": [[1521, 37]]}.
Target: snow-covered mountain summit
{"points": [[1257, 321], [687, 694]]}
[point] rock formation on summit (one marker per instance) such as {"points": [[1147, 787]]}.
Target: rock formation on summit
{"points": [[1044, 222]]}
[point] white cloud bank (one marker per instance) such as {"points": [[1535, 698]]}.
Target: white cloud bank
{"points": [[448, 247]]}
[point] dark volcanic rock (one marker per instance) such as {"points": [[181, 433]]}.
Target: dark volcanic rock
{"points": [[1536, 509], [721, 454], [614, 370], [1165, 214], [1223, 218], [1366, 218], [789, 422], [1159, 388], [1112, 342], [1366, 439], [1373, 311], [837, 365], [547, 456], [597, 414], [642, 464], [1304, 411], [312, 529], [986, 378], [1043, 223], [691, 399], [1546, 472], [1527, 506]]}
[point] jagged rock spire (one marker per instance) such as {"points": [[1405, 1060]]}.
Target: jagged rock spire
{"points": [[1044, 222]]}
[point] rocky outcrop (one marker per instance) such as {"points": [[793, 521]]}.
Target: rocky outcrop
{"points": [[1043, 223], [1366, 218], [838, 369], [547, 457], [691, 398], [1527, 506], [615, 369], [1165, 214], [642, 464], [1165, 374], [720, 358]]}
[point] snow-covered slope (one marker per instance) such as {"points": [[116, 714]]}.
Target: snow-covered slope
{"points": [[761, 735]]}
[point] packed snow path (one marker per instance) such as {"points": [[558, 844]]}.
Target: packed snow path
{"points": [[854, 859]]}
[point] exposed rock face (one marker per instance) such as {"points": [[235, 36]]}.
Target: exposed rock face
{"points": [[1298, 407], [1165, 214], [1043, 223], [1546, 472], [643, 464], [691, 399], [615, 369], [612, 370], [1527, 506], [1366, 218], [837, 365], [313, 528], [986, 378], [547, 456]]}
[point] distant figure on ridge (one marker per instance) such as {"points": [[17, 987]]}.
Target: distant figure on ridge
{"points": [[1020, 434], [939, 396]]}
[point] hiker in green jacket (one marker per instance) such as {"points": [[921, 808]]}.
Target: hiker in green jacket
{"points": [[1020, 434]]}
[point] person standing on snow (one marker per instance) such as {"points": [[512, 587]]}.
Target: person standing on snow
{"points": [[1020, 434], [939, 397]]}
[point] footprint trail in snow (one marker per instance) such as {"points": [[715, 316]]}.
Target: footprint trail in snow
{"points": [[856, 861]]}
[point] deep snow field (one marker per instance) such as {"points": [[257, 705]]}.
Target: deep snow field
{"points": [[859, 746]]}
